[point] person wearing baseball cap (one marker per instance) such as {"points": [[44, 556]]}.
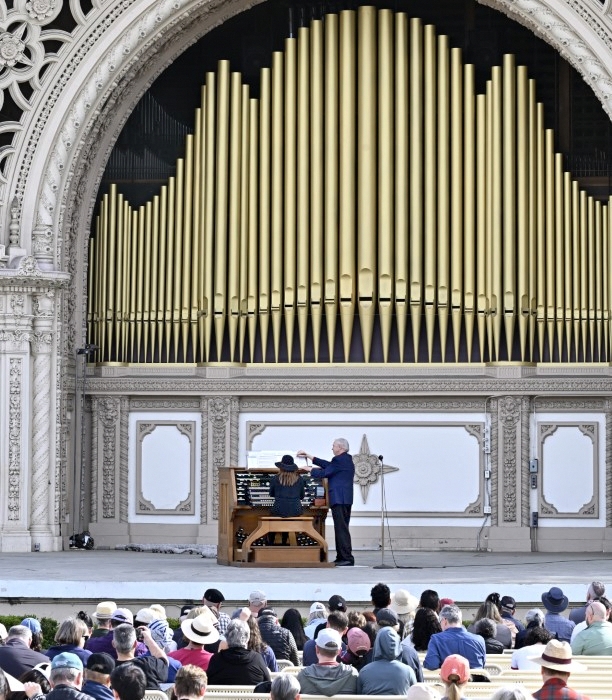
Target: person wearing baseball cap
{"points": [[98, 669], [66, 678], [557, 664], [328, 676], [213, 599], [337, 602], [455, 674], [257, 601]]}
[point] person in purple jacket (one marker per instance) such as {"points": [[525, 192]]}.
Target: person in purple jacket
{"points": [[340, 473]]}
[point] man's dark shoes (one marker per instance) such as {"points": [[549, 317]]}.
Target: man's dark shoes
{"points": [[345, 563]]}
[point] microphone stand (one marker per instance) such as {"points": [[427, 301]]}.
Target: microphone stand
{"points": [[382, 564]]}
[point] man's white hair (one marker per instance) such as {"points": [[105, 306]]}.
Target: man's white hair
{"points": [[342, 444], [285, 687]]}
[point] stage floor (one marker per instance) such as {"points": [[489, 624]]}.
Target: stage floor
{"points": [[81, 578]]}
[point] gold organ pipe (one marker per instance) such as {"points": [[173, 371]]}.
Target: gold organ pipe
{"points": [[170, 255], [443, 200], [533, 200], [110, 269], [332, 189], [253, 252], [430, 183], [133, 286], [92, 265], [550, 240], [200, 229], [221, 204], [467, 241], [303, 187], [366, 174], [127, 247], [347, 188], [161, 288], [277, 199], [605, 251], [288, 305], [584, 271], [509, 224], [99, 257], [576, 266], [146, 294], [178, 256], [140, 284], [592, 275], [264, 208], [598, 269], [482, 167], [402, 177], [117, 279], [523, 251], [608, 271], [209, 215], [196, 235], [541, 232], [235, 180], [416, 181], [243, 258], [187, 246], [489, 271], [385, 228], [559, 248], [567, 271], [101, 278], [497, 208], [317, 82], [155, 274], [459, 118]]}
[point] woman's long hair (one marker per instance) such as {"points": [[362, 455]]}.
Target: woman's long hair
{"points": [[288, 478], [292, 621], [426, 623], [454, 690], [255, 643]]}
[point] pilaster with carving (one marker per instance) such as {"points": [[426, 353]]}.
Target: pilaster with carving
{"points": [[524, 456], [124, 459], [508, 464], [204, 457], [93, 474], [219, 415], [108, 448], [608, 409]]}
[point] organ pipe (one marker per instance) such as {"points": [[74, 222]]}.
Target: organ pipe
{"points": [[369, 192]]}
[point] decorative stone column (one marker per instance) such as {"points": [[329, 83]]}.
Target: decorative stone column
{"points": [[43, 531], [219, 454]]}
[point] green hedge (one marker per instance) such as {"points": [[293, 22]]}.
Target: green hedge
{"points": [[48, 624]]}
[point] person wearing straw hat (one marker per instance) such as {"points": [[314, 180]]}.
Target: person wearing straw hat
{"points": [[557, 664], [199, 631]]}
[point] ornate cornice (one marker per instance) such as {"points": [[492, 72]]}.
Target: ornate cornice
{"points": [[29, 277]]}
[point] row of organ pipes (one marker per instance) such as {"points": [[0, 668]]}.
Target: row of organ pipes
{"points": [[368, 181]]}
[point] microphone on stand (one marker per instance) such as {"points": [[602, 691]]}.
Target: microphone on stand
{"points": [[382, 564]]}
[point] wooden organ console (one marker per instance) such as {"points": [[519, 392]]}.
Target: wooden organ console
{"points": [[244, 522]]}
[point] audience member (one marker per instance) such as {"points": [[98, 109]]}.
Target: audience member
{"points": [[178, 632], [555, 603], [3, 634], [453, 639], [596, 639], [557, 665], [128, 682], [522, 659], [102, 617], [198, 632], [317, 615], [424, 691], [595, 590], [213, 599], [4, 686], [426, 624], [337, 621], [337, 602], [583, 625], [487, 629], [386, 674], [103, 643], [88, 620], [380, 595], [190, 683], [16, 657], [455, 674], [328, 676], [37, 634], [70, 636], [430, 599], [285, 687], [256, 643], [489, 610], [237, 665], [98, 670], [405, 605], [387, 617], [34, 679], [507, 610], [511, 693], [356, 619], [358, 649], [257, 601], [154, 666], [279, 639], [533, 618], [292, 621], [66, 678]]}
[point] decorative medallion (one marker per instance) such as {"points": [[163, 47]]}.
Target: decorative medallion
{"points": [[368, 468]]}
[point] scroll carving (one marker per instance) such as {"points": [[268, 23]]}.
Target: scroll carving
{"points": [[509, 416], [14, 447], [109, 414]]}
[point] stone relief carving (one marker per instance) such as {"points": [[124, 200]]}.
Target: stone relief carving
{"points": [[253, 430], [219, 414], [14, 447], [524, 456], [509, 416], [608, 409], [368, 468], [109, 414], [93, 486], [494, 461], [41, 411], [204, 461], [44, 304], [124, 459]]}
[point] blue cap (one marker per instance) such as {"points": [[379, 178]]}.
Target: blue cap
{"points": [[32, 624], [67, 660]]}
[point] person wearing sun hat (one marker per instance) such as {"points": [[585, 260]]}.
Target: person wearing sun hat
{"points": [[287, 489], [557, 664], [555, 603], [198, 631]]}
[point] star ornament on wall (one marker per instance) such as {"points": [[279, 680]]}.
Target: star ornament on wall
{"points": [[368, 468]]}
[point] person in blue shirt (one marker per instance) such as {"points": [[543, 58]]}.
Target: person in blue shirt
{"points": [[340, 473], [454, 639]]}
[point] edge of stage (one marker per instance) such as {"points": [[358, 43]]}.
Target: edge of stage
{"points": [[78, 578]]}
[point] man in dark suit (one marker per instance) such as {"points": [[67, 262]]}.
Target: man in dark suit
{"points": [[340, 473]]}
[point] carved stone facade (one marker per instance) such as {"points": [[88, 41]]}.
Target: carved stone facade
{"points": [[74, 91]]}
